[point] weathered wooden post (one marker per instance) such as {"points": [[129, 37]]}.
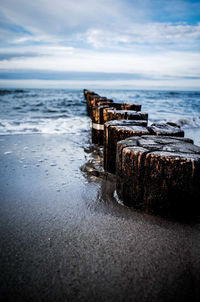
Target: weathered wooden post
{"points": [[166, 129], [115, 132], [125, 106], [159, 174], [113, 114], [85, 92], [89, 98], [102, 114], [98, 101], [97, 124]]}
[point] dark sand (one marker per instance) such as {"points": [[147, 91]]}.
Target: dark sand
{"points": [[65, 238]]}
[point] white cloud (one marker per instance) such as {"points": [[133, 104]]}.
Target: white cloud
{"points": [[70, 59], [9, 55], [102, 23], [61, 17], [153, 33]]}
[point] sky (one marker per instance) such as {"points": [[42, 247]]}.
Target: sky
{"points": [[148, 44]]}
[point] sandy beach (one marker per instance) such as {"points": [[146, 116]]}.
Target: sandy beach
{"points": [[65, 238]]}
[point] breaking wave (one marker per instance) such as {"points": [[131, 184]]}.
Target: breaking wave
{"points": [[64, 111]]}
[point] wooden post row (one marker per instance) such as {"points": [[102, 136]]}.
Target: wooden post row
{"points": [[157, 169]]}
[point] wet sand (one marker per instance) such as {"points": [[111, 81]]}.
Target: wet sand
{"points": [[65, 238]]}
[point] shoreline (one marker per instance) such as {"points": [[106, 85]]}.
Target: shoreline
{"points": [[190, 132], [64, 237]]}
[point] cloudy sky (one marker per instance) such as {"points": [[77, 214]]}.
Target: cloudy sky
{"points": [[121, 43]]}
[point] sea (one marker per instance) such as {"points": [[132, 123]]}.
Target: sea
{"points": [[62, 111]]}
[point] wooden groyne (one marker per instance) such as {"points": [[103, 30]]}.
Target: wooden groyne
{"points": [[157, 169]]}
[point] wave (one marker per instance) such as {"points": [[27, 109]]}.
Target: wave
{"points": [[52, 111], [193, 122], [49, 110], [72, 125], [11, 91], [173, 93], [189, 122], [17, 108]]}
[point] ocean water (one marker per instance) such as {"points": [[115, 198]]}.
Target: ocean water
{"points": [[64, 111]]}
